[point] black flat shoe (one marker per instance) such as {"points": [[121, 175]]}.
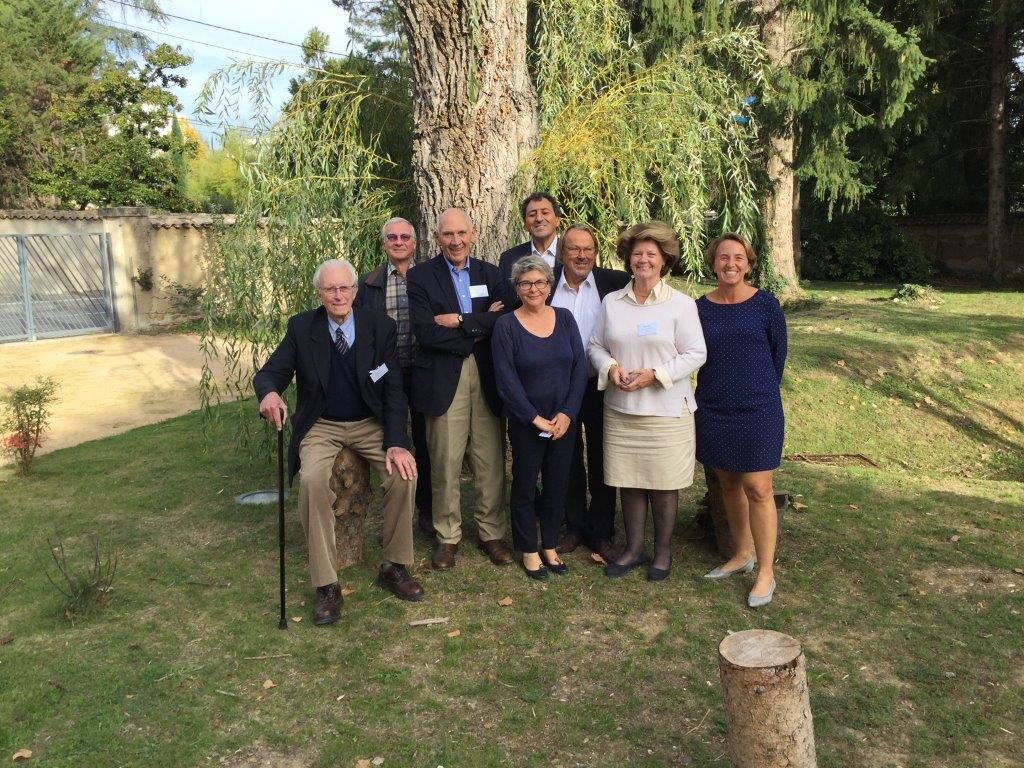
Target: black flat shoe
{"points": [[659, 574], [615, 570], [560, 568], [541, 574]]}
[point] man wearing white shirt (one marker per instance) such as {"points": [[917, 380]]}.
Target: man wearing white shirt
{"points": [[579, 287], [541, 217]]}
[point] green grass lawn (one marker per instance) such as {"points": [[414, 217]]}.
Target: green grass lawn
{"points": [[902, 581]]}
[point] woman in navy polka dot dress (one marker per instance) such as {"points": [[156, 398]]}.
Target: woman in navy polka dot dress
{"points": [[739, 408]]}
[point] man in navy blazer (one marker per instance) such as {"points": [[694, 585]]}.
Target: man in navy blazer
{"points": [[541, 217], [580, 287], [454, 301], [349, 394]]}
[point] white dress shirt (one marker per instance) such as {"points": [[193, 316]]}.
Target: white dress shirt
{"points": [[549, 252], [585, 305]]}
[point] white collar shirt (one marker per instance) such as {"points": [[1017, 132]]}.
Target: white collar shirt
{"points": [[549, 252], [584, 303]]}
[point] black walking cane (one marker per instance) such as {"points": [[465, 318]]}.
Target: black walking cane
{"points": [[283, 623]]}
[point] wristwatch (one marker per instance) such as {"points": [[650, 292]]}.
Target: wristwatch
{"points": [[460, 321]]}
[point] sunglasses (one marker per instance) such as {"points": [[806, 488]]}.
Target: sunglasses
{"points": [[393, 237]]}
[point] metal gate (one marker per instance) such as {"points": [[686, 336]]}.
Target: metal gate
{"points": [[54, 285]]}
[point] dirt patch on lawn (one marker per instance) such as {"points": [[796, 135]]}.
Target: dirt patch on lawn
{"points": [[108, 384], [259, 756], [966, 580]]}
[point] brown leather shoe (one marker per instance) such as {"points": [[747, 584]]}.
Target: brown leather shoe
{"points": [[396, 578], [603, 547], [444, 557], [328, 605], [569, 543], [496, 550]]}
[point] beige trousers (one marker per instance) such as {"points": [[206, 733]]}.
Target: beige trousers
{"points": [[468, 423], [316, 499]]}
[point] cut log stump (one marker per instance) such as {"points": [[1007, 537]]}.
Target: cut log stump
{"points": [[767, 705], [350, 481]]}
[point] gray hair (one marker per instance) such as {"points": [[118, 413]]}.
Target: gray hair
{"points": [[530, 263], [343, 263], [396, 220]]}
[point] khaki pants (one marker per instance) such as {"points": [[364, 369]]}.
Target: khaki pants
{"points": [[316, 499], [468, 423]]}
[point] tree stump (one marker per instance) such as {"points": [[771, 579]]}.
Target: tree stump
{"points": [[766, 701], [350, 481]]}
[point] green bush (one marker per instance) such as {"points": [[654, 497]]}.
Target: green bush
{"points": [[26, 421], [859, 245]]}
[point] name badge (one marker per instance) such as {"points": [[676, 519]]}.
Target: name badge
{"points": [[478, 292], [378, 373], [647, 329]]}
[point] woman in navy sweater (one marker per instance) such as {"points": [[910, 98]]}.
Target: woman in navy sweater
{"points": [[541, 371]]}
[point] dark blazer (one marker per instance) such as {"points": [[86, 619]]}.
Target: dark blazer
{"points": [[607, 280], [510, 257], [373, 289], [438, 363], [305, 353]]}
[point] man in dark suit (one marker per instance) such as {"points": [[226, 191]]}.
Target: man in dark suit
{"points": [[541, 217], [384, 289], [349, 395], [580, 287], [454, 301]]}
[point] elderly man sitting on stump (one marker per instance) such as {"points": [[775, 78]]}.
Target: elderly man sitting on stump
{"points": [[349, 396]]}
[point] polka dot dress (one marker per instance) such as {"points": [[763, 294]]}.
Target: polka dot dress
{"points": [[739, 416]]}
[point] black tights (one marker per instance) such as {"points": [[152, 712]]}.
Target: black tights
{"points": [[634, 516]]}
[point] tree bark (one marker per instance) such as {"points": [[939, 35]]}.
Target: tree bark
{"points": [[766, 700], [997, 155], [350, 481], [474, 112], [781, 207]]}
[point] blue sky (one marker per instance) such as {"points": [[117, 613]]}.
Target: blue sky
{"points": [[288, 21]]}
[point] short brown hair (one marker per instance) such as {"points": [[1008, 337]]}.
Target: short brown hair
{"points": [[709, 254], [659, 233]]}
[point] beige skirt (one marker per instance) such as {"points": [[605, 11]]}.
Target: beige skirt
{"points": [[650, 452]]}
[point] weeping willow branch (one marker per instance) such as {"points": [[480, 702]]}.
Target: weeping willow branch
{"points": [[313, 194], [623, 141]]}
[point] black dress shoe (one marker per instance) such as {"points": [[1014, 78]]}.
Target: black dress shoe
{"points": [[615, 570], [541, 574], [603, 547], [560, 568], [328, 605], [659, 574], [397, 579], [569, 543]]}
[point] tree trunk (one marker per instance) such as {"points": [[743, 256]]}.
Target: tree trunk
{"points": [[350, 481], [777, 35], [766, 701], [474, 112], [798, 249], [1000, 60]]}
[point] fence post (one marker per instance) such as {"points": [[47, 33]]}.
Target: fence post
{"points": [[26, 289]]}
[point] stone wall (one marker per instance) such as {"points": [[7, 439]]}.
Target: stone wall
{"points": [[959, 244], [174, 247]]}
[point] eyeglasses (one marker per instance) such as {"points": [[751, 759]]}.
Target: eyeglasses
{"points": [[337, 289], [574, 250], [392, 237], [525, 285]]}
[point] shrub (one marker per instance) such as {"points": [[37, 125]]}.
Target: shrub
{"points": [[85, 589], [859, 245], [27, 420], [910, 293]]}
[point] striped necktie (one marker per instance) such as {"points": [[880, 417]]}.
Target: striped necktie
{"points": [[340, 342]]}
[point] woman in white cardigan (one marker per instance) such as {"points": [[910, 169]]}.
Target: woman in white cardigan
{"points": [[646, 343]]}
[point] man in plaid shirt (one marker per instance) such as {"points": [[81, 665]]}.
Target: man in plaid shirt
{"points": [[383, 289]]}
